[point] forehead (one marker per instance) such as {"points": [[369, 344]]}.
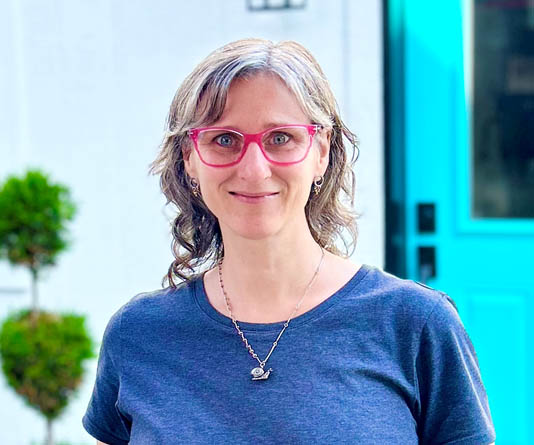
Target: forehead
{"points": [[261, 101]]}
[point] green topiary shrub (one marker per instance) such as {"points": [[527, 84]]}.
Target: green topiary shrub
{"points": [[42, 358], [42, 353], [33, 217]]}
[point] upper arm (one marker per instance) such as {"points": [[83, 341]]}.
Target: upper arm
{"points": [[100, 443], [103, 418], [448, 375]]}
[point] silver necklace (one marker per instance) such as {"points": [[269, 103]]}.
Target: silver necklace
{"points": [[258, 373]]}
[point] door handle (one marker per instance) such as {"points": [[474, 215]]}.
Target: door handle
{"points": [[426, 263]]}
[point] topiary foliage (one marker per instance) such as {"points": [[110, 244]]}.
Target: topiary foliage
{"points": [[43, 357], [32, 222]]}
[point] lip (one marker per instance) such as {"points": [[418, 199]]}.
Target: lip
{"points": [[253, 195]]}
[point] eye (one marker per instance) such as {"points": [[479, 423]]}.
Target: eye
{"points": [[279, 138], [225, 140]]}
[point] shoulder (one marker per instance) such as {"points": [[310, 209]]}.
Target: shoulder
{"points": [[159, 299], [147, 308], [404, 298]]}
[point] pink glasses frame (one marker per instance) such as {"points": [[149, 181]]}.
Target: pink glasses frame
{"points": [[248, 138]]}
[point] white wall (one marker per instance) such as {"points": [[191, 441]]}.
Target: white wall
{"points": [[84, 90]]}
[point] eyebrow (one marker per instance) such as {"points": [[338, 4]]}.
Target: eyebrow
{"points": [[266, 126], [277, 124]]}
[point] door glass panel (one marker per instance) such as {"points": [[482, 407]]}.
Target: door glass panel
{"points": [[503, 113]]}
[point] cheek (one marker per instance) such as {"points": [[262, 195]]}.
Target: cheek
{"points": [[211, 200], [300, 188], [210, 186]]}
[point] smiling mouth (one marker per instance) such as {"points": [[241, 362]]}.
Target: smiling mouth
{"points": [[254, 195]]}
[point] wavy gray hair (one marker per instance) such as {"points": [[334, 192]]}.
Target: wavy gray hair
{"points": [[200, 101]]}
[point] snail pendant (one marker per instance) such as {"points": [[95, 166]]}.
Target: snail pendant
{"points": [[260, 374]]}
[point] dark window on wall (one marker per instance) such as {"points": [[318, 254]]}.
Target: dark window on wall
{"points": [[503, 109], [273, 5]]}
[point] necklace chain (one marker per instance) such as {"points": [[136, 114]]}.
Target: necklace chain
{"points": [[286, 324]]}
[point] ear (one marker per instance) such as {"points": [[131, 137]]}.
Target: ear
{"points": [[324, 151], [189, 162]]}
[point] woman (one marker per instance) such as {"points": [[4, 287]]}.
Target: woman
{"points": [[281, 339]]}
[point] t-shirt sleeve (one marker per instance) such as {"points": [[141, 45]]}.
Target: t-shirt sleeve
{"points": [[453, 405], [103, 420]]}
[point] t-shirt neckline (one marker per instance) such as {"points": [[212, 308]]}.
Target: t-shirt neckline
{"points": [[201, 299]]}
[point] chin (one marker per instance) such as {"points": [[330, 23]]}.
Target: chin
{"points": [[255, 231]]}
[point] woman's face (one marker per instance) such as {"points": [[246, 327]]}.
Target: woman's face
{"points": [[256, 199]]}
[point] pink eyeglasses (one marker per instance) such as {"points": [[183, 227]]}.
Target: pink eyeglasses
{"points": [[224, 147]]}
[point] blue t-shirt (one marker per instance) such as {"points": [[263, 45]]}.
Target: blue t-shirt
{"points": [[382, 361]]}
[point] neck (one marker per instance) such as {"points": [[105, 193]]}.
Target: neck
{"points": [[268, 276]]}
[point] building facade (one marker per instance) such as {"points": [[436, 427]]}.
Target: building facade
{"points": [[84, 92]]}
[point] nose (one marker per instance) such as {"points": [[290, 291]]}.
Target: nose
{"points": [[253, 166]]}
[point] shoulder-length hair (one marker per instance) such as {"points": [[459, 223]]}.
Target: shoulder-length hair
{"points": [[200, 101]]}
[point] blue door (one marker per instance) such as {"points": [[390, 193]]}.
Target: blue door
{"points": [[461, 128]]}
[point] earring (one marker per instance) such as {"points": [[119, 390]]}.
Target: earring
{"points": [[317, 184], [195, 188]]}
